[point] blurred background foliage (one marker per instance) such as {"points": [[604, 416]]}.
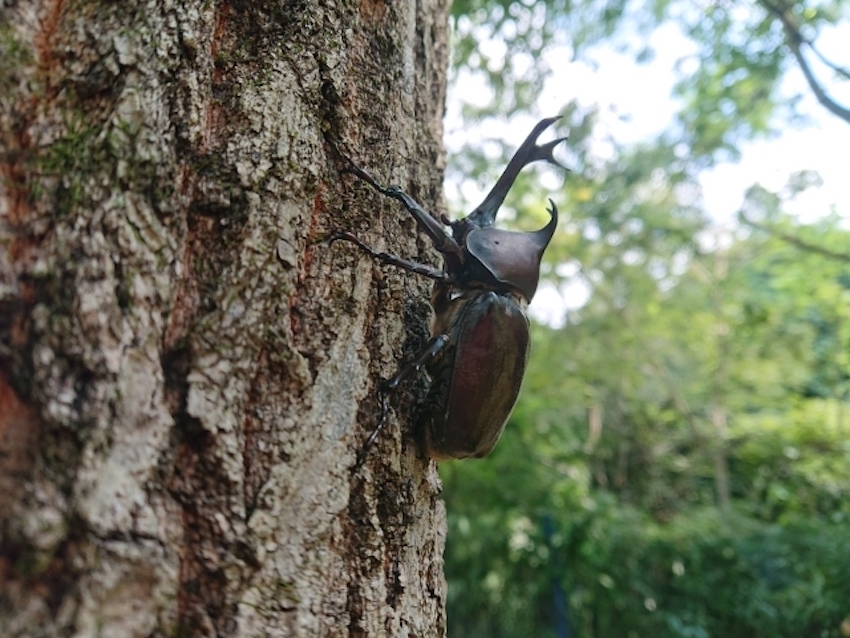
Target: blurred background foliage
{"points": [[679, 461]]}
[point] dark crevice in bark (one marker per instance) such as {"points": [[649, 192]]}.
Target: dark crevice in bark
{"points": [[354, 528], [176, 364], [392, 505], [330, 105], [201, 488], [198, 483], [214, 235]]}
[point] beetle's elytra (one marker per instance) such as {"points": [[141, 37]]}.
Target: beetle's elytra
{"points": [[480, 335]]}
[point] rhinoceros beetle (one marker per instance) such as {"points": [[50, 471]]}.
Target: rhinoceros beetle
{"points": [[477, 355]]}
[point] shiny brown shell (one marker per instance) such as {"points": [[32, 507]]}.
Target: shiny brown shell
{"points": [[476, 381]]}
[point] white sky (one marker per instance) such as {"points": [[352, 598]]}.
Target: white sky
{"points": [[636, 104]]}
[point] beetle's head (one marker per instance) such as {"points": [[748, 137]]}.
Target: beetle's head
{"points": [[511, 258]]}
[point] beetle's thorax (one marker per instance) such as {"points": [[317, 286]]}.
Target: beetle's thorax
{"points": [[505, 259]]}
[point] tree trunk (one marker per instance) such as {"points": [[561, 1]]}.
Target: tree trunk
{"points": [[187, 367]]}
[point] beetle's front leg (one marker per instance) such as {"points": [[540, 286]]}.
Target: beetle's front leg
{"points": [[426, 220], [434, 347], [387, 258]]}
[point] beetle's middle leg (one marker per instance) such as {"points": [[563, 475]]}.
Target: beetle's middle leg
{"points": [[434, 347], [387, 258]]}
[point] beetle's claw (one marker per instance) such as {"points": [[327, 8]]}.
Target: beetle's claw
{"points": [[363, 174], [361, 455], [340, 236]]}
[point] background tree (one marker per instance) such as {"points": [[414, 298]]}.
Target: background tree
{"points": [[186, 365], [677, 463]]}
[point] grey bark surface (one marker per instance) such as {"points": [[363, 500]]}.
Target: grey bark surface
{"points": [[187, 368]]}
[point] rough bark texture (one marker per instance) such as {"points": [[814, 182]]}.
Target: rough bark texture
{"points": [[187, 368]]}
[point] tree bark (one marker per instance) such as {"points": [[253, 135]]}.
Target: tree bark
{"points": [[187, 368]]}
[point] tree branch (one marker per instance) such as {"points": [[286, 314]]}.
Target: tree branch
{"points": [[794, 39], [796, 241], [840, 70]]}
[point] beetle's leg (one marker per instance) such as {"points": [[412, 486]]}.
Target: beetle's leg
{"points": [[387, 258], [427, 222], [528, 152], [434, 347]]}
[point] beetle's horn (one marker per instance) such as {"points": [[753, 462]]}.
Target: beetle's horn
{"points": [[527, 153], [538, 241], [543, 236]]}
